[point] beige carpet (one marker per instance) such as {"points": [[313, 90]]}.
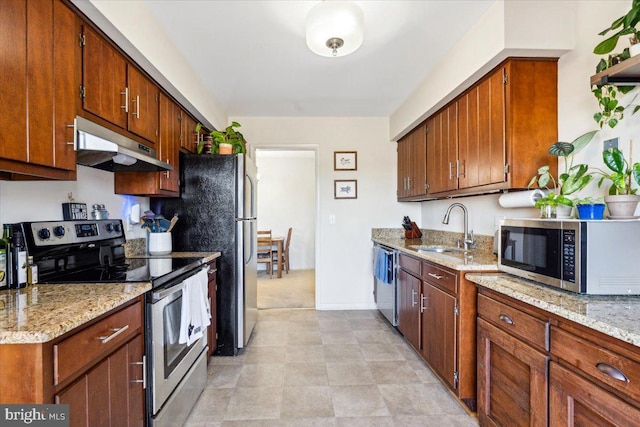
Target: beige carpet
{"points": [[295, 290]]}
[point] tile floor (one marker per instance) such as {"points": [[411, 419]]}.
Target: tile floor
{"points": [[324, 368]]}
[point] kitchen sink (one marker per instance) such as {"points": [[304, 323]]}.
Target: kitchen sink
{"points": [[438, 249]]}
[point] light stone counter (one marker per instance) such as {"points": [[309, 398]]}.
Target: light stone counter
{"points": [[475, 260], [616, 316], [41, 313], [37, 314]]}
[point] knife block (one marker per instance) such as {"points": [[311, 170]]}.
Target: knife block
{"points": [[414, 233]]}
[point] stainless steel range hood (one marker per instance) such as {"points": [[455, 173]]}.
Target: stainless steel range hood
{"points": [[102, 148]]}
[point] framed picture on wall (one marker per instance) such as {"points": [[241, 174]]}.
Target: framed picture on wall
{"points": [[345, 160], [345, 189]]}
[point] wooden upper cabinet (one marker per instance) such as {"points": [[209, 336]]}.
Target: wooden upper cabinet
{"points": [[170, 132], [13, 80], [495, 135], [412, 166], [143, 105], [188, 139], [442, 143], [39, 88], [104, 81], [481, 140], [166, 183]]}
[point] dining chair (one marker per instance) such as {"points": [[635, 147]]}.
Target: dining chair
{"points": [[285, 252], [265, 250]]}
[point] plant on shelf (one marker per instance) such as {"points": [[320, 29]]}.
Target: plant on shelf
{"points": [[573, 179], [622, 199], [608, 95], [231, 140], [590, 207]]}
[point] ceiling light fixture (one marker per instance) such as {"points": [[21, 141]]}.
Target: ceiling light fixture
{"points": [[335, 27]]}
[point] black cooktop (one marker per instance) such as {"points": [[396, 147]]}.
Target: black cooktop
{"points": [[128, 270]]}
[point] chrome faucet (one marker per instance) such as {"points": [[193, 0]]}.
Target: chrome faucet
{"points": [[468, 240]]}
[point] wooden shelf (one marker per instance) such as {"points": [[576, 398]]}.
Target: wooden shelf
{"points": [[625, 73]]}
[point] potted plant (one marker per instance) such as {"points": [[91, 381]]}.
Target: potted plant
{"points": [[589, 207], [622, 199], [230, 141], [573, 179], [611, 112]]}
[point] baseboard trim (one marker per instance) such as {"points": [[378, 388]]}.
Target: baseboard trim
{"points": [[363, 306]]}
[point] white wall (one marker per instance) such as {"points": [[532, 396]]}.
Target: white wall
{"points": [[41, 200], [287, 198], [508, 28], [343, 268]]}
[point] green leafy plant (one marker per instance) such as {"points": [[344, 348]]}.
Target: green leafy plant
{"points": [[573, 179], [588, 201], [608, 95], [229, 136], [621, 172]]}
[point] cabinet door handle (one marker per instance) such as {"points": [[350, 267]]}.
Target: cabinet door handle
{"points": [[612, 371], [125, 107], [423, 306], [74, 134], [116, 332], [144, 372], [506, 319], [167, 172], [137, 101], [408, 183], [414, 294], [435, 276], [450, 170]]}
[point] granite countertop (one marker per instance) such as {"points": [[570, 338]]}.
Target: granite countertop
{"points": [[616, 316], [37, 314], [475, 260]]}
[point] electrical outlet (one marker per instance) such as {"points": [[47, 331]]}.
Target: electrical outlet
{"points": [[496, 221], [611, 143]]}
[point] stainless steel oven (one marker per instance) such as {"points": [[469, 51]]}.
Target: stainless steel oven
{"points": [[178, 371], [93, 252]]}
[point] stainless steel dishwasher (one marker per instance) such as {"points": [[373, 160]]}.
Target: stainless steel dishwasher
{"points": [[385, 285]]}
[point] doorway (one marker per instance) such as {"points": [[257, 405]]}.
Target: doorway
{"points": [[287, 198]]}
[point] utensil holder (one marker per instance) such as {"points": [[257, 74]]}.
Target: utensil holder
{"points": [[159, 243]]}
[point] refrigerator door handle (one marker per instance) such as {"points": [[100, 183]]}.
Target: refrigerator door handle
{"points": [[253, 243]]}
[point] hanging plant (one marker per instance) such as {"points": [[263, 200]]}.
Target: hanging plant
{"points": [[608, 95]]}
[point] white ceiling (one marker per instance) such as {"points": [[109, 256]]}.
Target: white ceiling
{"points": [[253, 57]]}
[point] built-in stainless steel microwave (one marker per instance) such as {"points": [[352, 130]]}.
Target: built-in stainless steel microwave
{"points": [[588, 257]]}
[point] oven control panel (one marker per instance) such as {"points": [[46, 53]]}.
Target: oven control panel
{"points": [[55, 233]]}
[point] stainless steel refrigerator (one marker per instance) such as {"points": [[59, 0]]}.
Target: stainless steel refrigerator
{"points": [[217, 212]]}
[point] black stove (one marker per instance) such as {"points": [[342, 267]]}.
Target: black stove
{"points": [[91, 251]]}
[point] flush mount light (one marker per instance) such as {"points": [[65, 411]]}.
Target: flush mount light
{"points": [[335, 28]]}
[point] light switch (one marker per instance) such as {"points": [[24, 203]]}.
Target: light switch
{"points": [[332, 219]]}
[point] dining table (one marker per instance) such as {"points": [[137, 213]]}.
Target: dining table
{"points": [[278, 243]]}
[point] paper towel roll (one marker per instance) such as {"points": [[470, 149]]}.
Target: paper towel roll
{"points": [[521, 199]]}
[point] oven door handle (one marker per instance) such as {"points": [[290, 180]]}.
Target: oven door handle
{"points": [[163, 293]]}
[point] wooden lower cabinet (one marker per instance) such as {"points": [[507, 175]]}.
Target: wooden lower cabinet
{"points": [[409, 308], [575, 401], [110, 394], [437, 316], [439, 332], [512, 380], [97, 369], [538, 369]]}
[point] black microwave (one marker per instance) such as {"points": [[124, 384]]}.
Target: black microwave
{"points": [[588, 257]]}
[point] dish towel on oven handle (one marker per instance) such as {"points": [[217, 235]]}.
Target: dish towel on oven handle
{"points": [[196, 312]]}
